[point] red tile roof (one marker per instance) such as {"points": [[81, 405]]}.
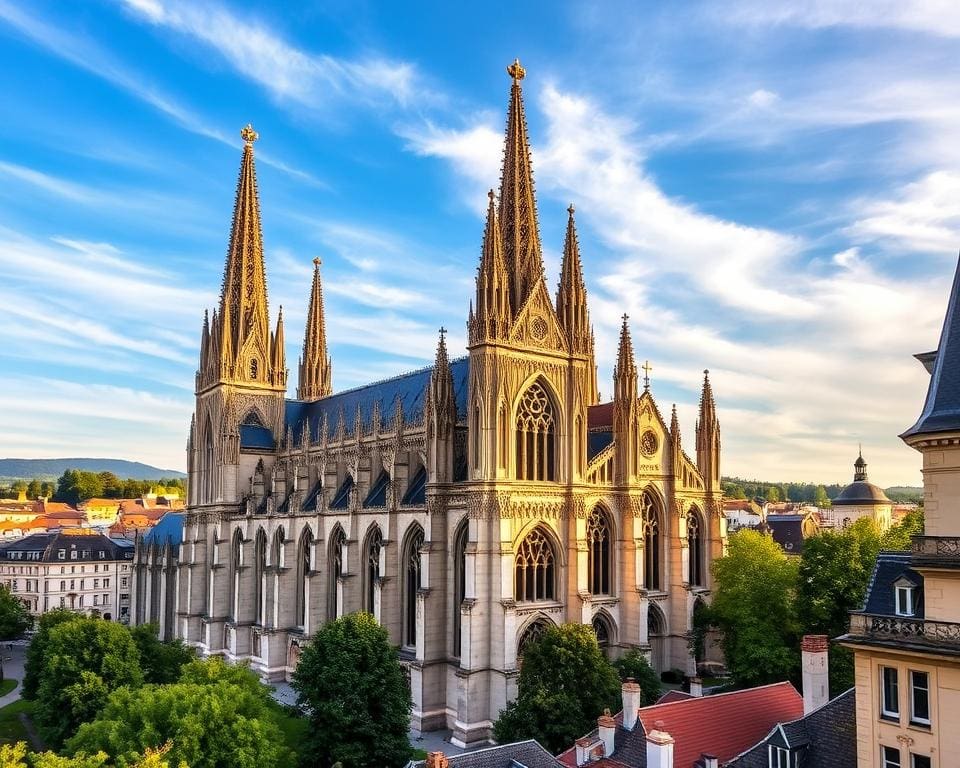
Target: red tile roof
{"points": [[600, 415], [673, 696], [723, 725]]}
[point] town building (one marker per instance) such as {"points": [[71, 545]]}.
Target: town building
{"points": [[467, 505], [862, 499], [74, 568], [906, 639], [791, 530]]}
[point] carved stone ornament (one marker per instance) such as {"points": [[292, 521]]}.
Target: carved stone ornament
{"points": [[681, 509], [649, 443]]}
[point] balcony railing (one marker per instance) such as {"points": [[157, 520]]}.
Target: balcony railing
{"points": [[905, 630], [941, 551]]}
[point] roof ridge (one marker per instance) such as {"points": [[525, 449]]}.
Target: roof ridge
{"points": [[376, 383], [715, 696]]}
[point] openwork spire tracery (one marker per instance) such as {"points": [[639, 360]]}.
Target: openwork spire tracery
{"points": [[315, 368]]}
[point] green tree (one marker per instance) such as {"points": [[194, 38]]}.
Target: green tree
{"points": [[217, 716], [565, 684], [84, 661], [773, 494], [16, 756], [753, 605], [33, 489], [900, 536], [634, 665], [18, 487], [37, 650], [15, 619], [821, 499], [350, 684], [161, 662]]}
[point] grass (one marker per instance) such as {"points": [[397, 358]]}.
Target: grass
{"points": [[294, 728], [11, 728], [6, 686]]}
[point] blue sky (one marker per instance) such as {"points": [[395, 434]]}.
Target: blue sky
{"points": [[771, 191]]}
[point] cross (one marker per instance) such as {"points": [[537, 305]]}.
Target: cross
{"points": [[443, 333], [646, 373]]}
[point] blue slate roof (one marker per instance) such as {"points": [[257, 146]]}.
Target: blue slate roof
{"points": [[409, 388], [377, 497], [941, 411], [880, 599], [417, 490], [169, 528], [256, 436], [596, 442]]}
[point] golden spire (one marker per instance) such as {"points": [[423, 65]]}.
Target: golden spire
{"points": [[572, 292], [244, 319], [625, 371], [442, 399], [518, 207], [492, 317], [315, 369]]}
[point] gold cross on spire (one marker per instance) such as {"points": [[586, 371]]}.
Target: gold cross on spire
{"points": [[646, 373], [516, 71], [248, 134], [316, 261]]}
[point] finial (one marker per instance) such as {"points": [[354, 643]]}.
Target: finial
{"points": [[646, 375], [516, 71], [491, 195], [706, 372], [316, 261], [281, 312], [248, 134], [571, 209], [443, 333], [625, 318]]}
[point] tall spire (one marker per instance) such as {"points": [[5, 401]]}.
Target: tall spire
{"points": [[625, 372], [625, 409], [315, 369], [245, 343], [708, 436], [492, 317], [518, 207], [441, 394], [572, 292]]}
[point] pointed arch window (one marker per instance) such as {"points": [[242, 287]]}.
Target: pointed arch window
{"points": [[411, 585], [236, 563], [276, 555], [598, 552], [535, 568], [477, 441], [260, 576], [334, 601], [603, 631], [374, 546], [695, 548], [303, 576], [650, 517], [531, 634], [459, 582], [254, 369], [536, 435]]}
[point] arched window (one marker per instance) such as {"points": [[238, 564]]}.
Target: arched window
{"points": [[603, 630], [337, 542], [477, 437], [535, 570], [260, 576], [303, 575], [374, 545], [651, 541], [459, 581], [207, 465], [695, 548], [656, 636], [531, 634], [236, 563], [536, 435], [276, 554], [411, 584], [598, 552]]}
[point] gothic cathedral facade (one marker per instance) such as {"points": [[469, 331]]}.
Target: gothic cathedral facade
{"points": [[467, 505]]}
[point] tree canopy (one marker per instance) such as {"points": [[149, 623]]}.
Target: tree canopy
{"points": [[83, 661], [37, 650], [565, 684], [352, 688], [216, 716], [161, 662], [753, 605], [16, 756], [15, 619], [76, 485], [634, 665]]}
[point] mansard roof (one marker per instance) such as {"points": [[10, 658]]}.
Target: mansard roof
{"points": [[409, 388], [890, 567]]}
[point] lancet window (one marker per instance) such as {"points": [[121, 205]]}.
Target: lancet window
{"points": [[236, 562], [411, 568], [303, 575], [695, 548], [598, 552], [260, 576], [533, 632], [535, 569], [459, 582], [337, 542], [374, 545], [651, 541], [536, 435]]}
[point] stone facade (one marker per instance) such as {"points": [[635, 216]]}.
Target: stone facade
{"points": [[467, 505]]}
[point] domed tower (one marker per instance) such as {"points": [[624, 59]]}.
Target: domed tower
{"points": [[863, 499]]}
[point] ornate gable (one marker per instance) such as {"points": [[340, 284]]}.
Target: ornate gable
{"points": [[536, 324]]}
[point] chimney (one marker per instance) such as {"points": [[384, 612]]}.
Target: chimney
{"points": [[437, 760], [816, 676], [659, 748], [607, 728], [709, 761], [630, 692], [583, 751], [696, 687]]}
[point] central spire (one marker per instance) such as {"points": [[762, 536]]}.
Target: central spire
{"points": [[518, 207]]}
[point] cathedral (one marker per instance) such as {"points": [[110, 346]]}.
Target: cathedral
{"points": [[467, 505]]}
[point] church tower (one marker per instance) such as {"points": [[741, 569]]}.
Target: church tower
{"points": [[242, 377], [315, 368]]}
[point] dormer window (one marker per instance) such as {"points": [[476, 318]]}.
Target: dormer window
{"points": [[904, 601], [780, 757]]}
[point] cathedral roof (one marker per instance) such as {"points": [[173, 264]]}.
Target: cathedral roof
{"points": [[409, 388], [941, 411]]}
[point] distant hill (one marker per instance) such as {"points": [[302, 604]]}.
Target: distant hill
{"points": [[901, 493], [51, 469]]}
